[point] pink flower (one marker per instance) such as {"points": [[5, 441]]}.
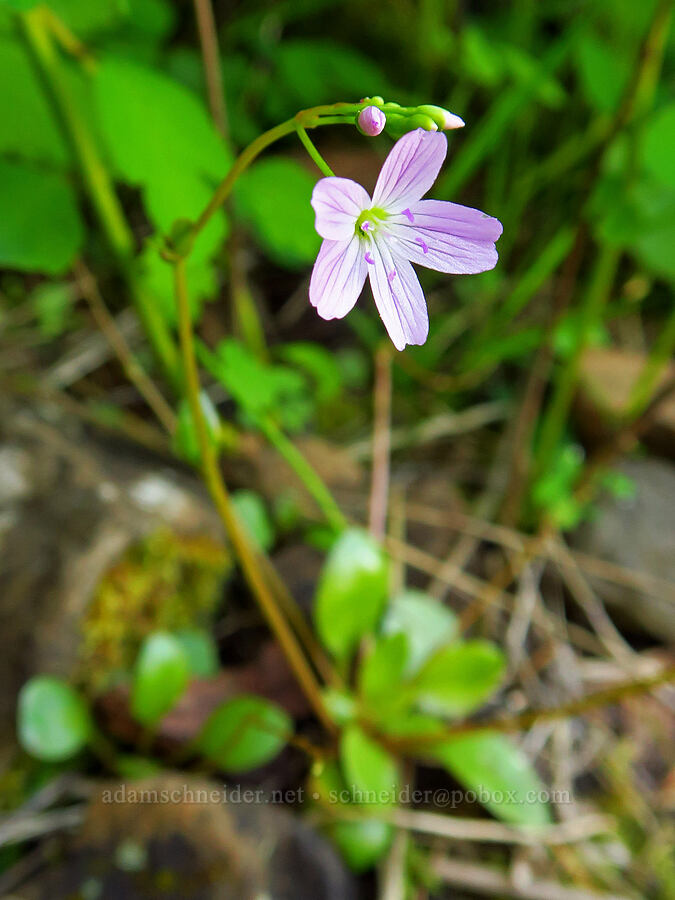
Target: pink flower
{"points": [[382, 236], [371, 121]]}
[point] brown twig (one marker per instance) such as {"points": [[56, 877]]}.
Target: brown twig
{"points": [[208, 39], [379, 489]]}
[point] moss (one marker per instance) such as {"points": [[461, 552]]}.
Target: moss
{"points": [[166, 582]]}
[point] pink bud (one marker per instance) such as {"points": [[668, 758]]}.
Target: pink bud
{"points": [[450, 120], [371, 121]]}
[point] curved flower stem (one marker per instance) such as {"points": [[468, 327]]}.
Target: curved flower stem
{"points": [[321, 163], [214, 481]]}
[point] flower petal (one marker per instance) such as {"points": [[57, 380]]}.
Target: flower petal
{"points": [[446, 237], [337, 277], [398, 296], [338, 202], [410, 169]]}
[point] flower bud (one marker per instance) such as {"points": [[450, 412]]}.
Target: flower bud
{"points": [[397, 125], [442, 117], [371, 121]]}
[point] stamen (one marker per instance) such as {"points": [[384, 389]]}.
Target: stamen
{"points": [[409, 216], [391, 275], [369, 259], [366, 226], [418, 240]]}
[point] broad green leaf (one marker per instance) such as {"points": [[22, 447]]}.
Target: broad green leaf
{"points": [[253, 514], [131, 766], [426, 622], [274, 196], [382, 670], [459, 678], [504, 780], [371, 774], [603, 71], [245, 733], [160, 677], [53, 722], [40, 226], [156, 277], [352, 592], [154, 127], [200, 651], [658, 141], [28, 127], [85, 17]]}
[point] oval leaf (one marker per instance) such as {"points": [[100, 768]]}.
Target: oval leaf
{"points": [[458, 678], [245, 733], [53, 721], [352, 592], [371, 773], [426, 623], [502, 776], [160, 677]]}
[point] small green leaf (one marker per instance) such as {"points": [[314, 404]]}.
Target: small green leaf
{"points": [[503, 778], [426, 622], [253, 514], [382, 670], [352, 592], [53, 721], [657, 145], [185, 442], [245, 733], [200, 651], [160, 676], [53, 302], [274, 196], [458, 678], [40, 226], [370, 772], [362, 844], [603, 71], [319, 364]]}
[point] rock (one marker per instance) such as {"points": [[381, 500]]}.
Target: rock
{"points": [[606, 378], [638, 533], [70, 506], [176, 836]]}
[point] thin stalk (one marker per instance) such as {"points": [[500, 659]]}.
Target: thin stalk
{"points": [[563, 394], [221, 498], [37, 33], [321, 163], [208, 39], [306, 472], [379, 487]]}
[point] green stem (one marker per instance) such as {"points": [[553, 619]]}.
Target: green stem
{"points": [[214, 481], [321, 163], [563, 393], [307, 474], [36, 29]]}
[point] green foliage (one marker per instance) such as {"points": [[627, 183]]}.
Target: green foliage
{"points": [[53, 722], [459, 678], [273, 197], [352, 592], [372, 774], [425, 622], [185, 441], [53, 302], [244, 733], [253, 514], [383, 668], [40, 228], [161, 675], [200, 651], [501, 775], [603, 71], [657, 146]]}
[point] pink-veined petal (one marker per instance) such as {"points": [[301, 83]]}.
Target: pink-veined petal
{"points": [[398, 296], [337, 277], [446, 237], [410, 169], [338, 202]]}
